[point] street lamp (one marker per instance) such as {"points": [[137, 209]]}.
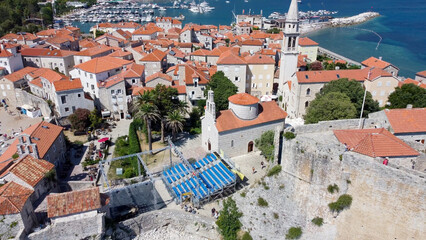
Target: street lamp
{"points": [[363, 101]]}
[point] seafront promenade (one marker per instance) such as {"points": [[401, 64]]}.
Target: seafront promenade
{"points": [[336, 56]]}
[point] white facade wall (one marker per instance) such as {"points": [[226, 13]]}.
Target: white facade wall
{"points": [[144, 37], [13, 63], [250, 48], [237, 74], [74, 99], [245, 112]]}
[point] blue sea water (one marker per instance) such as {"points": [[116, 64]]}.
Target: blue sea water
{"points": [[402, 26]]}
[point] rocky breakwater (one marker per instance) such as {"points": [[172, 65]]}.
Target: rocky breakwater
{"points": [[357, 19]]}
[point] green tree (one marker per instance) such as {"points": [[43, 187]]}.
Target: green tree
{"points": [[79, 119], [266, 145], [174, 122], [95, 118], [149, 113], [229, 220], [223, 88], [47, 14], [331, 106], [408, 94], [355, 91]]}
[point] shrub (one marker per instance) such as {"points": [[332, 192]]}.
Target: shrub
{"points": [[265, 186], [247, 236], [348, 181], [333, 188], [266, 145], [317, 221], [262, 202], [229, 220], [294, 233], [15, 156], [13, 224], [134, 145], [274, 171], [276, 216], [129, 173], [281, 186], [289, 135], [340, 157], [243, 194], [195, 131], [79, 119], [343, 202]]}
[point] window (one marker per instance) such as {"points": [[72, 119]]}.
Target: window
{"points": [[260, 85], [87, 84], [382, 93], [91, 76], [388, 83], [261, 76], [85, 74], [67, 109], [306, 104], [237, 79], [79, 95], [93, 87], [64, 99], [118, 91], [308, 91], [134, 81], [2, 86], [61, 64], [265, 67], [112, 91], [379, 84], [374, 93], [267, 85], [232, 143]]}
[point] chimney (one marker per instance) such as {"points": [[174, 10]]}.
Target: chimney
{"points": [[409, 106], [380, 58]]}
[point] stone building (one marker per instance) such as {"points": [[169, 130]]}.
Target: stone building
{"points": [[235, 68], [233, 132], [55, 59], [260, 73], [13, 81], [421, 77], [309, 48], [380, 64], [10, 57]]}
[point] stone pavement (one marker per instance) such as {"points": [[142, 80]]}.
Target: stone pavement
{"points": [[13, 123], [245, 164]]}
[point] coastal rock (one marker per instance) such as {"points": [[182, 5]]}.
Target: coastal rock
{"points": [[357, 19]]}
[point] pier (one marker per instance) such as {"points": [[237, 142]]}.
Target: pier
{"points": [[336, 56]]}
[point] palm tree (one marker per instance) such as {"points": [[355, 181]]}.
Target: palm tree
{"points": [[174, 121], [148, 112], [182, 106]]}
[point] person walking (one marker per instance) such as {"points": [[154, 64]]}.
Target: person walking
{"points": [[262, 164], [254, 170]]}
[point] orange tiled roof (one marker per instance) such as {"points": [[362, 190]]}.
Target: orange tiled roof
{"points": [[134, 71], [180, 88], [422, 73], [119, 53], [63, 204], [351, 74], [140, 90], [13, 198], [268, 112], [252, 42], [111, 81], [47, 74], [5, 53], [201, 52], [155, 56], [43, 52], [230, 58], [377, 142], [18, 75], [67, 84], [243, 99], [86, 43], [407, 120], [95, 50], [31, 170], [102, 64], [189, 73], [375, 62], [305, 41], [158, 75], [259, 59], [412, 81]]}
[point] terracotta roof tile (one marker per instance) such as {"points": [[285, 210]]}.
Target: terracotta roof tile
{"points": [[351, 74], [305, 41], [407, 120], [67, 84], [268, 112], [95, 50], [155, 56], [158, 75], [43, 52], [412, 81], [422, 73], [134, 71], [375, 62], [102, 64], [68, 203], [20, 74], [376, 142], [259, 59], [13, 198], [140, 90], [230, 58], [243, 99], [31, 170]]}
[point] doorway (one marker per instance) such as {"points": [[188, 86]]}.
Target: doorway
{"points": [[209, 146], [250, 146]]}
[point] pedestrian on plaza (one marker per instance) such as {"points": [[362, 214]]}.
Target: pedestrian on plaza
{"points": [[262, 164], [254, 170]]}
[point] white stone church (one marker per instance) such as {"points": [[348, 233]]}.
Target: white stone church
{"points": [[233, 132]]}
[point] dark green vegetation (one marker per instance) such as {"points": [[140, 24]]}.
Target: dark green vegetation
{"points": [[223, 88], [343, 202], [340, 99], [62, 8], [333, 188], [274, 171], [229, 220], [80, 119], [262, 202], [15, 13], [247, 236], [408, 94], [318, 221], [266, 145], [294, 233], [289, 135]]}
